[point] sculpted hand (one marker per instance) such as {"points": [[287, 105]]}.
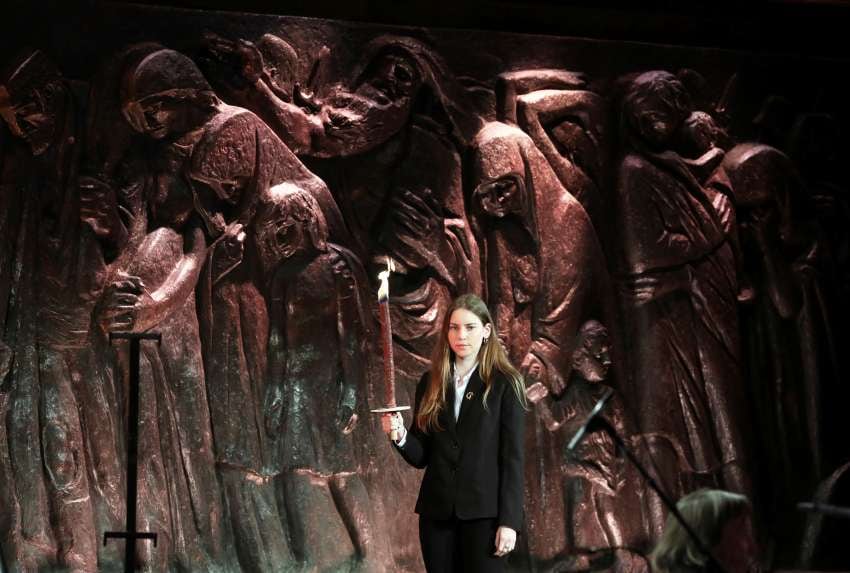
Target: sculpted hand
{"points": [[415, 217], [5, 360], [240, 60], [99, 207], [347, 420], [228, 251], [643, 289], [342, 271], [536, 392], [416, 212], [505, 541], [533, 370], [122, 303], [273, 409]]}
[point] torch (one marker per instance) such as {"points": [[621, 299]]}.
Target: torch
{"points": [[387, 345]]}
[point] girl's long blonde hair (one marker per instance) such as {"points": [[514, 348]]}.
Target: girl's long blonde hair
{"points": [[491, 359]]}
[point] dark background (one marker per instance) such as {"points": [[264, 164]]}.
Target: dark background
{"points": [[805, 27]]}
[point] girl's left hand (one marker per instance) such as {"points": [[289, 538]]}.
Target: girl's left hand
{"points": [[505, 540]]}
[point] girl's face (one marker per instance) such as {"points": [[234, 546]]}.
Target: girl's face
{"points": [[466, 333]]}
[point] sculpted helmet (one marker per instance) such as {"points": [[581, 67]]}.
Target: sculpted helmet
{"points": [[163, 74]]}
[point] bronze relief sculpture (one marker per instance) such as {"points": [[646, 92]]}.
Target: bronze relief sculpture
{"points": [[235, 187]]}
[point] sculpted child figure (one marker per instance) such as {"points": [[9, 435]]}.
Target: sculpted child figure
{"points": [[316, 383], [601, 490]]}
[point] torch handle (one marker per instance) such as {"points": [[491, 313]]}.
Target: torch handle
{"points": [[387, 343]]}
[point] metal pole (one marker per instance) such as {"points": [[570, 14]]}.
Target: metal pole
{"points": [[131, 535], [668, 503]]}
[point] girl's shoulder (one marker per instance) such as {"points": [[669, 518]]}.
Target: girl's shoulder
{"points": [[500, 380]]}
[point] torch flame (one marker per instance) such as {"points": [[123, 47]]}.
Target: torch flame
{"points": [[384, 277]]}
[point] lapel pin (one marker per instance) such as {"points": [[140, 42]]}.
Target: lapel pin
{"points": [[469, 395]]}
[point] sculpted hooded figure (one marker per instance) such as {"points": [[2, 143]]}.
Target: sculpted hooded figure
{"points": [[789, 327], [542, 260], [216, 162], [150, 283], [46, 270], [544, 275], [278, 250]]}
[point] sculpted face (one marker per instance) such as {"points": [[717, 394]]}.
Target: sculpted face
{"points": [[280, 238], [466, 333], [656, 106], [659, 121], [29, 118], [377, 108], [291, 226], [392, 77], [500, 168], [500, 197], [592, 359], [155, 116], [289, 237], [166, 94], [701, 130]]}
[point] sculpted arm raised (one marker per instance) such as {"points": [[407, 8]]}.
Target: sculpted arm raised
{"points": [[253, 81], [511, 85], [567, 126]]}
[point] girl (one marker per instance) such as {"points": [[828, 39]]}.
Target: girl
{"points": [[467, 432]]}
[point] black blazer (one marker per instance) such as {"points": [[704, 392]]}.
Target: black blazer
{"points": [[473, 468]]}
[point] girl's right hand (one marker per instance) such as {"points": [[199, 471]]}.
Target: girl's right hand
{"points": [[393, 426]]}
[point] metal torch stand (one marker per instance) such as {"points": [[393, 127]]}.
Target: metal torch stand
{"points": [[131, 535]]}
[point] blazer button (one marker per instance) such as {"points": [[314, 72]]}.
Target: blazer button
{"points": [[455, 445]]}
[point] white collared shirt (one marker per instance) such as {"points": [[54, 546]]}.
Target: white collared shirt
{"points": [[460, 384]]}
